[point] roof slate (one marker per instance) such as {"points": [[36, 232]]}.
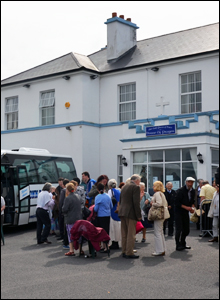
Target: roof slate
{"points": [[169, 46], [149, 51]]}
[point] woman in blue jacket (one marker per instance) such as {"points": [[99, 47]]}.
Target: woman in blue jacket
{"points": [[115, 221], [103, 206]]}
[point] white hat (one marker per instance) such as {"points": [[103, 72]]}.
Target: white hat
{"points": [[190, 179]]}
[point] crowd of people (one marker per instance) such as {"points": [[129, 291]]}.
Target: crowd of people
{"points": [[118, 209]]}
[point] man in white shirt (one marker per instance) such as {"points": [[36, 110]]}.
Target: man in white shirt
{"points": [[44, 204]]}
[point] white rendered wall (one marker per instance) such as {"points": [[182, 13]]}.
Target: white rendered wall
{"points": [[96, 149]]}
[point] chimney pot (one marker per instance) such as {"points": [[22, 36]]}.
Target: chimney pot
{"points": [[121, 16], [114, 14], [129, 19]]}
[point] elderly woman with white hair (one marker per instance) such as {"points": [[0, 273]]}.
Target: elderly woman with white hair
{"points": [[115, 222]]}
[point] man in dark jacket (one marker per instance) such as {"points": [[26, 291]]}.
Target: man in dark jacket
{"points": [[184, 203], [129, 212], [170, 196]]}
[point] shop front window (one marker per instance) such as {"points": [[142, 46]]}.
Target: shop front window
{"points": [[170, 165]]}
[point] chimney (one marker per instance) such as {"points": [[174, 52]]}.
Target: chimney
{"points": [[121, 36]]}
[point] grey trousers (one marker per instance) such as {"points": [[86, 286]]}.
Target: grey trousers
{"points": [[215, 225], [128, 234]]}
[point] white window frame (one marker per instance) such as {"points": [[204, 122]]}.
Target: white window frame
{"points": [[191, 92], [214, 165], [127, 99], [120, 169], [11, 112], [47, 105]]}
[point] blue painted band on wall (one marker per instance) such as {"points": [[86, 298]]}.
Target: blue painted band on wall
{"points": [[131, 124], [171, 137]]}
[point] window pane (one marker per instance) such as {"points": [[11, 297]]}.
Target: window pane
{"points": [[183, 79], [31, 169], [48, 117], [172, 174], [12, 121], [24, 205], [127, 111], [189, 169], [191, 78], [155, 156], [184, 88], [198, 86], [192, 103], [47, 171], [185, 99], [198, 107], [172, 155], [142, 171], [66, 169], [122, 89], [47, 99], [11, 105], [190, 85], [215, 156], [122, 98], [189, 154], [184, 109], [214, 170], [155, 172], [140, 157]]}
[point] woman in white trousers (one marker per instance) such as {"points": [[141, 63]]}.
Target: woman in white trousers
{"points": [[159, 200]]}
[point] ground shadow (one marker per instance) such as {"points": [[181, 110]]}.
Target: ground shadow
{"points": [[183, 255], [151, 261]]}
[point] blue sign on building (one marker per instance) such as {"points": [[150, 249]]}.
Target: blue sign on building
{"points": [[161, 130]]}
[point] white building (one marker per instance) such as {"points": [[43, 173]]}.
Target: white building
{"points": [[115, 95]]}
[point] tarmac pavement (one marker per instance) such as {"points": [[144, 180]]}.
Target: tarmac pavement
{"points": [[31, 271]]}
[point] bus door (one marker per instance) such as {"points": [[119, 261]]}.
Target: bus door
{"points": [[8, 178], [23, 195]]}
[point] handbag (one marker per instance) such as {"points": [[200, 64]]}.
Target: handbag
{"points": [[156, 213], [194, 218], [114, 201], [139, 226], [85, 212], [166, 213]]}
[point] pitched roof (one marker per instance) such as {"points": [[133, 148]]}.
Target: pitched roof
{"points": [[149, 51], [170, 46]]}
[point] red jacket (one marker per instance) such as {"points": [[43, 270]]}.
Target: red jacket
{"points": [[88, 231]]}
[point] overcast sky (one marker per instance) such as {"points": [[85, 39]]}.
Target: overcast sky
{"points": [[35, 32]]}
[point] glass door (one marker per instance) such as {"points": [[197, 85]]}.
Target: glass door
{"points": [[23, 195]]}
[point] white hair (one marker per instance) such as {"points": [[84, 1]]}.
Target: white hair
{"points": [[112, 183], [142, 183]]}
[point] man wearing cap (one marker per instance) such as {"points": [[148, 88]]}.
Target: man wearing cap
{"points": [[184, 203]]}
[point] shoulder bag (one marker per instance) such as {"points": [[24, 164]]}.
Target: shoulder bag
{"points": [[158, 213], [114, 201]]}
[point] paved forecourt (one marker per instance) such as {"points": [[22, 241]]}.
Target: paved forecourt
{"points": [[29, 271]]}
